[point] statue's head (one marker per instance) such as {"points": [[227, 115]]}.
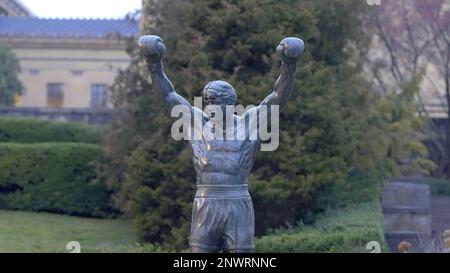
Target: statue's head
{"points": [[219, 93]]}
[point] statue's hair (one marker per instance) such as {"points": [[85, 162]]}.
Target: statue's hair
{"points": [[221, 92]]}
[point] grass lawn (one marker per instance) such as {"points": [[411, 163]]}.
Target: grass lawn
{"points": [[44, 232]]}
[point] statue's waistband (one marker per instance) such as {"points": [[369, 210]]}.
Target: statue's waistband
{"points": [[219, 178], [222, 191]]}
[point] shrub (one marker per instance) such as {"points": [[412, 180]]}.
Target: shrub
{"points": [[52, 177], [347, 230], [438, 186], [275, 201], [10, 85], [161, 209], [31, 130], [359, 187]]}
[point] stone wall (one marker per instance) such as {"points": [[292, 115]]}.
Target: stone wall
{"points": [[86, 115], [407, 213]]}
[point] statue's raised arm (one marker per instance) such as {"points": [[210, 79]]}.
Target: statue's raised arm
{"points": [[152, 48], [290, 50]]}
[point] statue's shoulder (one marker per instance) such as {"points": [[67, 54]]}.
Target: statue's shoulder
{"points": [[199, 113]]}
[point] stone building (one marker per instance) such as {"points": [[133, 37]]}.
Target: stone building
{"points": [[65, 63]]}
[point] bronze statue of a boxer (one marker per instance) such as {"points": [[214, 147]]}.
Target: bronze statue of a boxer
{"points": [[222, 214]]}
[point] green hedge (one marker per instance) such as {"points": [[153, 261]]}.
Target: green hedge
{"points": [[438, 186], [52, 177], [346, 230], [31, 130]]}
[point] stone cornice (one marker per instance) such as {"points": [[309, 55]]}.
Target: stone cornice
{"points": [[66, 43]]}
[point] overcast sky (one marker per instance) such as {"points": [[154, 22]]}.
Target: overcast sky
{"points": [[81, 8]]}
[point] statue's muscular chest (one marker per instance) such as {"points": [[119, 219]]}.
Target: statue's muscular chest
{"points": [[225, 156]]}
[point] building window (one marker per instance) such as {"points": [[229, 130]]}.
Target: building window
{"points": [[77, 72], [34, 71], [55, 95], [99, 95]]}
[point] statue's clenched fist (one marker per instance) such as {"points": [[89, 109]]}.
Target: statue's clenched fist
{"points": [[290, 50], [152, 47]]}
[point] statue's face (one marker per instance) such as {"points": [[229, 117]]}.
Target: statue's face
{"points": [[216, 96], [214, 105], [210, 98]]}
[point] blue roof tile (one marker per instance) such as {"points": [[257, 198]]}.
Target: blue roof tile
{"points": [[66, 28]]}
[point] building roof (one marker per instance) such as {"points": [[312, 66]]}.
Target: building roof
{"points": [[32, 27], [14, 8]]}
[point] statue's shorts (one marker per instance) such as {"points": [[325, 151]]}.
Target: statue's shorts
{"points": [[223, 218]]}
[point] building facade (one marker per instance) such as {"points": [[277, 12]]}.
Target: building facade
{"points": [[66, 63]]}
